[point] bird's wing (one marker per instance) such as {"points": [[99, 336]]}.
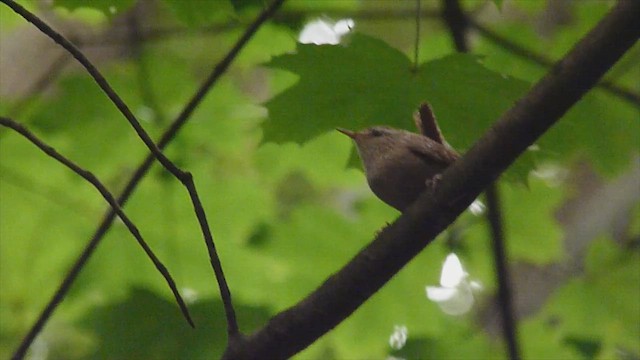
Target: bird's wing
{"points": [[431, 151]]}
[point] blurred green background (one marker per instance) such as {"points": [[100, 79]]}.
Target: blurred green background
{"points": [[285, 208]]}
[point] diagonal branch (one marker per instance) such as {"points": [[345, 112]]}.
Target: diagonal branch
{"points": [[416, 44], [184, 177], [135, 179], [168, 135], [106, 194], [457, 23], [342, 293], [103, 83]]}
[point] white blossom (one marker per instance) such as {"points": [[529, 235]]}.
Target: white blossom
{"points": [[477, 207], [399, 337], [322, 31], [455, 293]]}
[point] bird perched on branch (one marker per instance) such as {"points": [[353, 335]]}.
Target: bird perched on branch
{"points": [[400, 165]]}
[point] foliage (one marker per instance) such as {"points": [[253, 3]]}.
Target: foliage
{"points": [[285, 210]]}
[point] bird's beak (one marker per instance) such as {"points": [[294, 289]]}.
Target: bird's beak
{"points": [[349, 133]]}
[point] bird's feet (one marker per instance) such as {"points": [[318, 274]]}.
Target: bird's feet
{"points": [[432, 183]]}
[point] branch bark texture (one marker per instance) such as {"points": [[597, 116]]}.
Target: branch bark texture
{"points": [[342, 293]]}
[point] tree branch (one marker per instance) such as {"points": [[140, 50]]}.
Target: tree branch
{"points": [[416, 45], [505, 299], [102, 83], [458, 23], [106, 194], [140, 172], [342, 293], [173, 129], [184, 177]]}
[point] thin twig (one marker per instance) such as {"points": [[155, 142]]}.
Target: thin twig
{"points": [[539, 59], [184, 177], [416, 49], [137, 176], [102, 83], [220, 68], [458, 23], [509, 327], [106, 194]]}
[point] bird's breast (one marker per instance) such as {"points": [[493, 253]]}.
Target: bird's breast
{"points": [[399, 180]]}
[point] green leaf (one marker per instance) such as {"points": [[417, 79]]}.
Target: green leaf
{"points": [[544, 340], [146, 326], [534, 234], [476, 345], [607, 297], [333, 90], [604, 129], [367, 82]]}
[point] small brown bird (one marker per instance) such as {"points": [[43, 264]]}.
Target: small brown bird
{"points": [[399, 164]]}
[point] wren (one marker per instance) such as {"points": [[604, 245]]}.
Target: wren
{"points": [[400, 165]]}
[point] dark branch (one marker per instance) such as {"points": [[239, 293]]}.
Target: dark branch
{"points": [[458, 24], [184, 177], [141, 171], [168, 135], [342, 293], [509, 325], [416, 49], [102, 82], [106, 194]]}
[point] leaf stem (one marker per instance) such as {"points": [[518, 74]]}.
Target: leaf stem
{"points": [[416, 49]]}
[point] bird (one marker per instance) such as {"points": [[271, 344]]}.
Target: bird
{"points": [[399, 165]]}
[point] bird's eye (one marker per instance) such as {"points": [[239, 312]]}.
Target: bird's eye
{"points": [[376, 132]]}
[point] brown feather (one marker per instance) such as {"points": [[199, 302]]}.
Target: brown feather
{"points": [[427, 124]]}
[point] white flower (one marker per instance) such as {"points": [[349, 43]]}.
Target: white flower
{"points": [[454, 295], [399, 337], [477, 207], [321, 32]]}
